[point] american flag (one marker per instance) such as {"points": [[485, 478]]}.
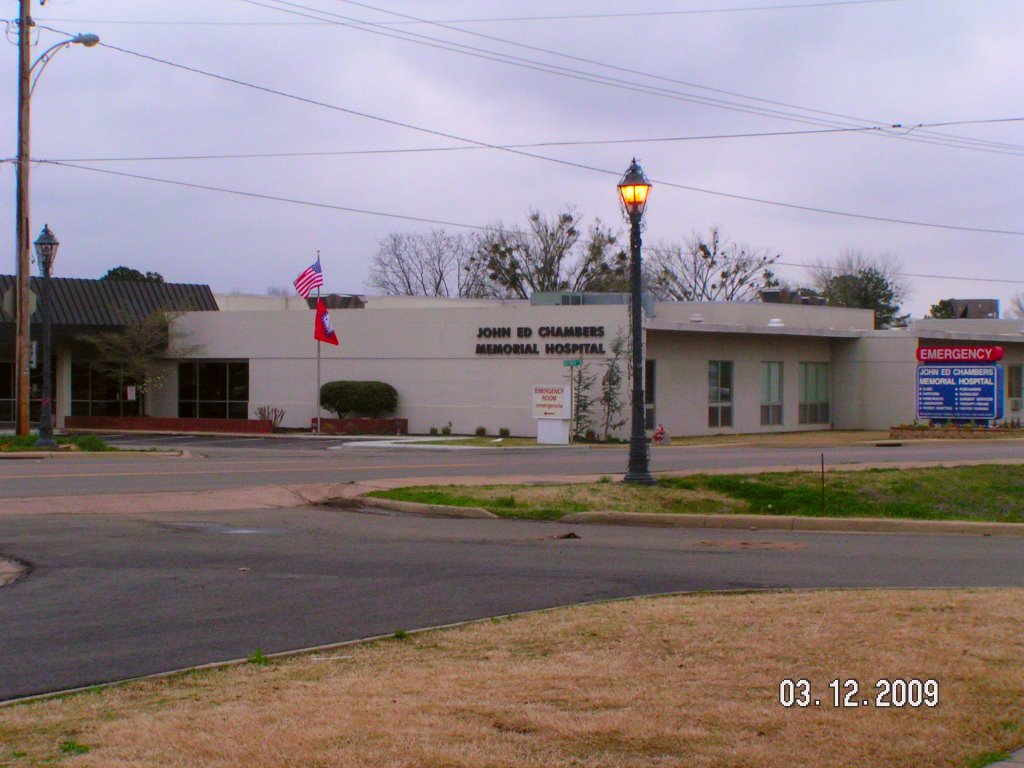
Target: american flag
{"points": [[312, 277]]}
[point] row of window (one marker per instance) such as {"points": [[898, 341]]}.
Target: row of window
{"points": [[813, 400], [214, 390]]}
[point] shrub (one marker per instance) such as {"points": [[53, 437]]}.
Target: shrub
{"points": [[504, 432], [90, 443], [481, 431], [359, 398], [446, 429], [433, 430], [271, 414]]}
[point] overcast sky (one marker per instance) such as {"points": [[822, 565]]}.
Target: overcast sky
{"points": [[866, 64]]}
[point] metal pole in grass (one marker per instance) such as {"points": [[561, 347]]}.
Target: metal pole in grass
{"points": [[823, 484]]}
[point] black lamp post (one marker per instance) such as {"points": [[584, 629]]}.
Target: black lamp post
{"points": [[633, 190], [46, 251]]}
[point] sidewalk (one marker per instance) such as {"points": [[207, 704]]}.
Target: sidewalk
{"points": [[350, 495]]}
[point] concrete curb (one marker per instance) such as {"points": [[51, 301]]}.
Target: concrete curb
{"points": [[409, 507], [128, 452], [795, 523]]}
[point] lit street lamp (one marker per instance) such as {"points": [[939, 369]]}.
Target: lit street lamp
{"points": [[633, 190], [46, 251], [28, 76]]}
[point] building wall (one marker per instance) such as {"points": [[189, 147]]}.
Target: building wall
{"points": [[681, 378], [428, 354], [757, 314], [875, 380], [427, 349]]}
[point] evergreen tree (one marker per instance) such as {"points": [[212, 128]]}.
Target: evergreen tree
{"points": [[611, 401]]}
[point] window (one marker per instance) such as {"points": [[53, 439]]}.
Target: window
{"points": [[814, 405], [649, 381], [95, 393], [771, 394], [720, 393], [213, 390], [1014, 383], [6, 391]]}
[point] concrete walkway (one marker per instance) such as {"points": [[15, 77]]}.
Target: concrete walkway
{"points": [[351, 495]]}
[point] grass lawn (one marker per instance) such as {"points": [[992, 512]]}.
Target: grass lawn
{"points": [[14, 443], [981, 493], [688, 681]]}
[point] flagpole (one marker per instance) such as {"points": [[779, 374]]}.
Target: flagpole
{"points": [[318, 345]]}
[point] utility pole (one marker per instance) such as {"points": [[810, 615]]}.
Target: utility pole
{"points": [[24, 271]]}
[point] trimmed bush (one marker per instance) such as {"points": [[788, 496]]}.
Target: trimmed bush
{"points": [[504, 432], [433, 430], [446, 429], [481, 431], [358, 398]]}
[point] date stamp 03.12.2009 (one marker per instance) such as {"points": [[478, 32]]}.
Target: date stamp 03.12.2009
{"points": [[883, 693]]}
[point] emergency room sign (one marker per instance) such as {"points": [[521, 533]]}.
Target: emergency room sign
{"points": [[552, 401], [959, 354]]}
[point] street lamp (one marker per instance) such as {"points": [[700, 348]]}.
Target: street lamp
{"points": [[46, 252], [28, 76], [633, 190]]}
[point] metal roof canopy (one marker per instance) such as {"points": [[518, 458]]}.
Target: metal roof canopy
{"points": [[80, 302]]}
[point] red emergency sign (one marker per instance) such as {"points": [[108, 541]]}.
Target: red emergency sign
{"points": [[959, 354]]}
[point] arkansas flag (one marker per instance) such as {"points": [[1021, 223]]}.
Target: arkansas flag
{"points": [[324, 331]]}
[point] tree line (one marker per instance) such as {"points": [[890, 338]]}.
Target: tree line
{"points": [[557, 253]]}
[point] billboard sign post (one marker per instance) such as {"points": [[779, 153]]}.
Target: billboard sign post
{"points": [[959, 392]]}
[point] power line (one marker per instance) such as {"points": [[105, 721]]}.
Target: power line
{"points": [[559, 161], [415, 150], [260, 196], [495, 19], [306, 11], [533, 145], [443, 222], [637, 72], [972, 279]]}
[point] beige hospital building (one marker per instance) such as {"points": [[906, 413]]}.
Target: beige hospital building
{"points": [[710, 368]]}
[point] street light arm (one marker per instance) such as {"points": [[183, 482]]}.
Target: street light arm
{"points": [[88, 40]]}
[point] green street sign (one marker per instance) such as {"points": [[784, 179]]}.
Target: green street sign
{"points": [[572, 363]]}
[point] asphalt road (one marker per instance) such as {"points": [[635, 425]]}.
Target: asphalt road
{"points": [[217, 463], [114, 596]]}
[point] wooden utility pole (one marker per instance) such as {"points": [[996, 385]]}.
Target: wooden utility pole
{"points": [[22, 304]]}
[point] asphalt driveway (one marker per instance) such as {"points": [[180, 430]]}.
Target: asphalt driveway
{"points": [[115, 596]]}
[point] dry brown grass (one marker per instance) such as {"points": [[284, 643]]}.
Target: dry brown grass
{"points": [[617, 496], [682, 681]]}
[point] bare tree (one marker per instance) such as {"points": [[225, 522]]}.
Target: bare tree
{"points": [[550, 255], [1017, 305], [434, 264], [709, 269]]}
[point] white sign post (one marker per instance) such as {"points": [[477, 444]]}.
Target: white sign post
{"points": [[552, 408]]}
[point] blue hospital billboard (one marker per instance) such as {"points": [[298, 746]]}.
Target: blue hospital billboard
{"points": [[960, 392]]}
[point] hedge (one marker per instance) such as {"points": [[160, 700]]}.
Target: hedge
{"points": [[358, 398]]}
